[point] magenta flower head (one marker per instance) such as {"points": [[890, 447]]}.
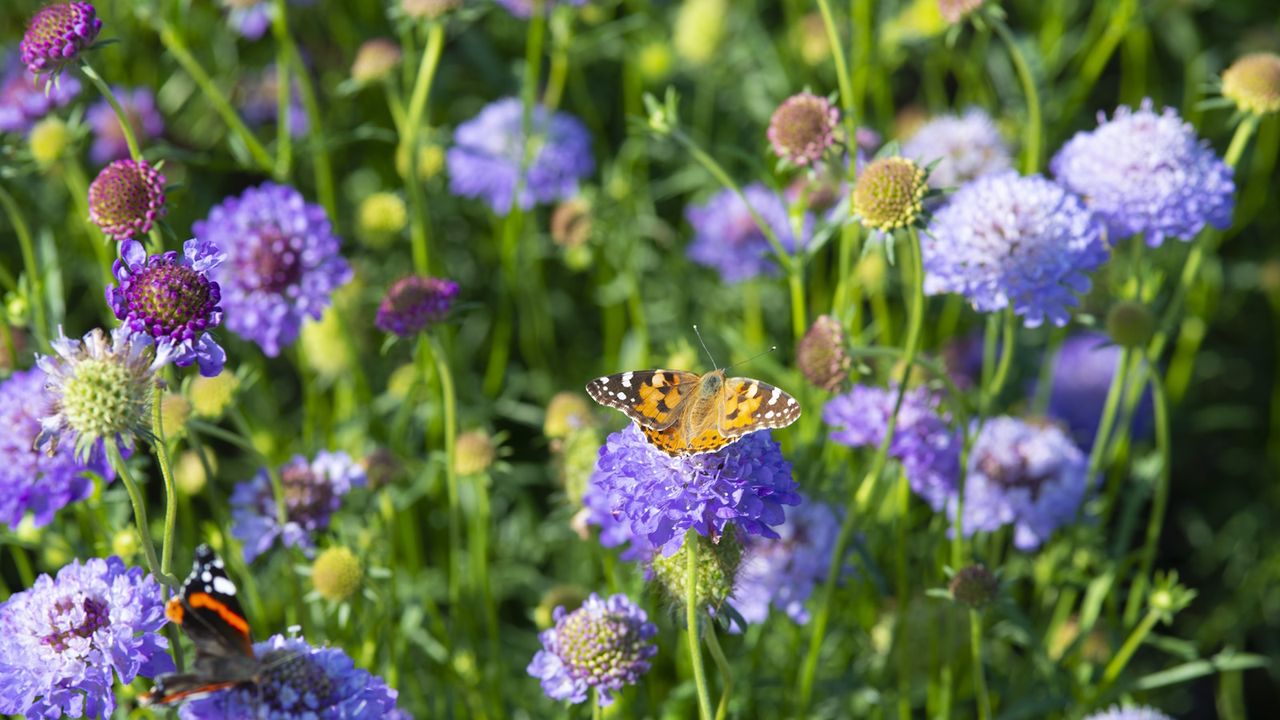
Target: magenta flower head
{"points": [[172, 299], [68, 639], [282, 263], [803, 127], [25, 98], [57, 34], [415, 303], [126, 198], [139, 105], [604, 645]]}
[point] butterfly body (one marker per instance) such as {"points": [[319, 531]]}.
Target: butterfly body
{"points": [[684, 413]]}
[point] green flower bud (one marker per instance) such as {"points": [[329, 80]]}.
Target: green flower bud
{"points": [[336, 574]]}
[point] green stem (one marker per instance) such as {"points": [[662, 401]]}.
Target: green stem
{"points": [[409, 133], [1130, 646], [726, 672], [991, 390], [842, 72], [170, 493], [979, 674], [1044, 383], [795, 281], [534, 42], [284, 92], [597, 711], [325, 188], [691, 619], [559, 69], [1032, 137], [139, 513], [34, 275], [126, 128], [1102, 437], [450, 401], [1160, 499], [903, 502]]}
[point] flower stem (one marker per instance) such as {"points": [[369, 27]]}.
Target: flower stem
{"points": [[450, 402], [1159, 501], [691, 619], [842, 72], [1032, 137], [170, 493], [126, 128], [979, 674], [284, 91], [409, 133], [995, 384], [1130, 646], [34, 275], [726, 672], [139, 513], [325, 191]]}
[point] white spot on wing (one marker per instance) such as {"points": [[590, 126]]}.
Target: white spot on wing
{"points": [[768, 415], [626, 380], [206, 576], [223, 586], [773, 396], [621, 396]]}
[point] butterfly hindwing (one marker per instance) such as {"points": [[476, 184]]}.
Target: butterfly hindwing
{"points": [[750, 405], [651, 398]]}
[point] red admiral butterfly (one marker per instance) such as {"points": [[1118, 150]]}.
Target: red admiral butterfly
{"points": [[207, 611]]}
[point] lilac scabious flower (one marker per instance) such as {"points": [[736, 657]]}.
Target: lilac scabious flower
{"points": [[32, 481], [783, 572], [300, 682], [282, 263], [489, 151], [1116, 712], [1149, 173], [923, 440], [171, 298], [604, 645], [68, 639], [615, 529], [1081, 378], [1010, 241], [415, 303], [1026, 475], [139, 107], [256, 97], [966, 147], [727, 238], [661, 497], [126, 198], [25, 98], [57, 34], [313, 491], [524, 8]]}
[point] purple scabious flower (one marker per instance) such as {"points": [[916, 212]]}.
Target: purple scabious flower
{"points": [[488, 152], [1149, 173], [256, 97], [32, 481], [302, 682], [1010, 241], [727, 238], [25, 97], [661, 497], [615, 530], [139, 106], [68, 639], [524, 8], [783, 572], [313, 491], [57, 34], [126, 198], [171, 298], [282, 263], [1116, 712], [966, 147], [604, 645], [1030, 476], [415, 303], [1081, 378], [923, 440]]}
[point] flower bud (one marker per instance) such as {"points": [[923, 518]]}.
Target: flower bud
{"points": [[974, 586], [474, 452], [211, 396], [802, 128], [375, 60], [336, 574], [566, 412], [1130, 324], [1253, 83], [382, 215], [821, 356], [189, 474], [717, 565], [49, 139]]}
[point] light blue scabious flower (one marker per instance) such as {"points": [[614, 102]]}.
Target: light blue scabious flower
{"points": [[604, 645], [727, 239], [967, 147], [782, 572]]}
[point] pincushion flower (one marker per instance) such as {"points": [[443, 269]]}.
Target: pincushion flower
{"points": [[300, 682], [1081, 378], [1030, 476], [727, 239], [139, 105], [67, 640], [171, 298], [783, 572], [25, 98], [57, 34], [489, 149], [313, 491], [615, 529], [923, 440], [1010, 241], [661, 497], [32, 481], [965, 147], [126, 198], [889, 194], [803, 127], [604, 645], [414, 303], [1253, 83], [1147, 172], [282, 263]]}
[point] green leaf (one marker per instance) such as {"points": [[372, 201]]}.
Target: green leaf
{"points": [[1222, 662]]}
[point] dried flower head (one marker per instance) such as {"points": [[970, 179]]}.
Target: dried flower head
{"points": [[427, 9], [414, 303], [889, 194], [375, 60], [571, 223], [974, 586], [57, 34], [803, 128], [953, 11], [604, 645], [821, 356], [1253, 83]]}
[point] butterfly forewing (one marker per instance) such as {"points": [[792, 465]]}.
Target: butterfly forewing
{"points": [[750, 405], [651, 398]]}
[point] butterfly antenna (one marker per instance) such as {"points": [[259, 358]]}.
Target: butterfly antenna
{"points": [[704, 346], [753, 357]]}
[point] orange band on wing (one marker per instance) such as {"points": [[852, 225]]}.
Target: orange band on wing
{"points": [[174, 611], [204, 600]]}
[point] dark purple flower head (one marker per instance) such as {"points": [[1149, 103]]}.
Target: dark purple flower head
{"points": [[966, 147], [489, 149], [1144, 172], [126, 198], [1027, 475], [1081, 378], [282, 263], [803, 127], [727, 238], [415, 303], [139, 106], [25, 98], [604, 645], [923, 441], [524, 8], [171, 298], [57, 34], [661, 497], [782, 572], [30, 480], [67, 640], [1010, 241], [313, 491], [300, 682]]}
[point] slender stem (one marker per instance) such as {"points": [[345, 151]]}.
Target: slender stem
{"points": [[1044, 383], [903, 503], [161, 449], [691, 619], [559, 70], [1103, 435], [726, 672], [284, 91], [325, 189], [34, 275], [1032, 137], [409, 132], [450, 400], [795, 282], [1160, 499], [139, 513], [126, 128], [979, 674], [597, 711], [991, 390], [1130, 646], [842, 71], [535, 39]]}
